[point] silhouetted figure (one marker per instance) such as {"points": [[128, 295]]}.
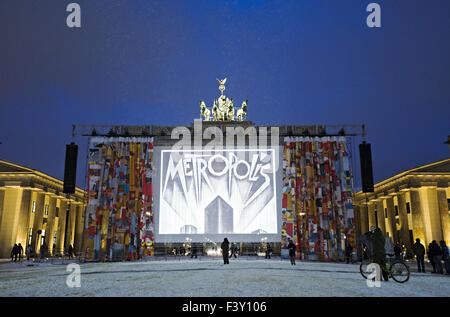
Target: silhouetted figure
{"points": [[44, 250], [20, 252], [268, 251], [397, 251], [14, 253], [233, 250], [225, 249], [435, 252], [193, 252], [430, 258], [291, 247], [377, 241], [70, 252], [445, 256], [419, 252]]}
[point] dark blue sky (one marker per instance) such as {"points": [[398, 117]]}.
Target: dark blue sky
{"points": [[297, 62]]}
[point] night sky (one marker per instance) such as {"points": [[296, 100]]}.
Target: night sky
{"points": [[297, 62]]}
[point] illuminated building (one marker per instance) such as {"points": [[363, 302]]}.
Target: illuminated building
{"points": [[33, 210], [412, 204], [153, 188]]}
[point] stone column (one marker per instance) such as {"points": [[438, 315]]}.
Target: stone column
{"points": [[380, 215], [431, 216], [9, 221], [444, 214], [61, 225], [37, 225], [24, 218], [390, 222], [404, 228], [51, 224], [417, 218], [79, 228], [31, 216], [364, 218], [371, 214], [72, 224]]}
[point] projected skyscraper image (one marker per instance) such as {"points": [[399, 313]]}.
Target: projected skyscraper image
{"points": [[217, 192]]}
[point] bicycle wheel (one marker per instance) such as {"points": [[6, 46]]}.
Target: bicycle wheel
{"points": [[399, 272], [363, 268]]}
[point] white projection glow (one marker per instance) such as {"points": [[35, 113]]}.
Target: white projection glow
{"points": [[217, 192]]}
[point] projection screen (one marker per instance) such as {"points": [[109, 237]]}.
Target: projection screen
{"points": [[206, 195]]}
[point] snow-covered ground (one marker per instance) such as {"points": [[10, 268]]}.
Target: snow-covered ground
{"points": [[209, 277]]}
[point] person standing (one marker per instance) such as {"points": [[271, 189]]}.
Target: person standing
{"points": [[397, 251], [70, 251], [291, 247], [14, 253], [378, 250], [268, 251], [233, 250], [193, 251], [20, 252], [225, 249], [419, 252], [44, 251], [348, 251], [28, 252], [436, 253], [430, 258], [445, 256]]}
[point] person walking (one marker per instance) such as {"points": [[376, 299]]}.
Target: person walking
{"points": [[268, 251], [233, 250], [20, 252], [419, 252], [70, 251], [378, 250], [225, 249], [445, 256], [436, 253], [193, 252], [397, 251], [291, 247], [14, 253], [29, 252], [44, 251], [430, 258]]}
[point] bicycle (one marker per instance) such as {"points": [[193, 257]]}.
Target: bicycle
{"points": [[397, 269]]}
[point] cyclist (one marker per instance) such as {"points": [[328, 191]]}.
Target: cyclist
{"points": [[378, 251]]}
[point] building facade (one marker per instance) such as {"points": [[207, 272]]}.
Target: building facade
{"points": [[410, 205], [311, 190], [34, 211]]}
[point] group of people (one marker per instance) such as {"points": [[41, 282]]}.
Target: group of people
{"points": [[436, 254], [17, 252], [232, 250], [375, 245], [179, 251], [225, 246]]}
